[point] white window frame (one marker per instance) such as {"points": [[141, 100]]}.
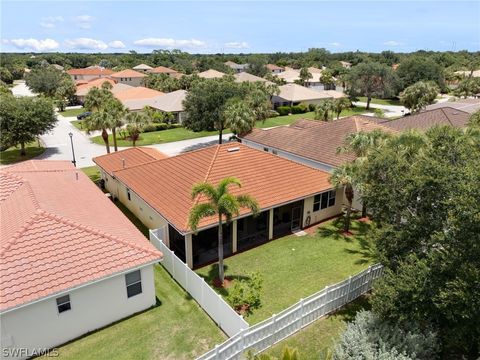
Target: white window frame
{"points": [[134, 283]]}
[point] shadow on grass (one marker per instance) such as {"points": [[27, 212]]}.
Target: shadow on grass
{"points": [[213, 274], [348, 312]]}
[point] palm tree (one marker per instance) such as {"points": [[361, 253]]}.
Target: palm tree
{"points": [[304, 75], [117, 112], [221, 203], [322, 111], [94, 99], [100, 120], [136, 122], [341, 104], [342, 177], [239, 117]]}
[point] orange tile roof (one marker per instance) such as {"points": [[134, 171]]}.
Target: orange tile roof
{"points": [[128, 73], [83, 89], [315, 140], [273, 67], [127, 158], [59, 231], [138, 92], [162, 70], [90, 71], [166, 184]]}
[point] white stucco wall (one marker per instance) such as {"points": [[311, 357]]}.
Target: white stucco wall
{"points": [[39, 325], [320, 215], [130, 81]]}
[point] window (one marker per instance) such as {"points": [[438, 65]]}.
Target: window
{"points": [[128, 195], [324, 200], [274, 152], [134, 283], [265, 149], [63, 303]]}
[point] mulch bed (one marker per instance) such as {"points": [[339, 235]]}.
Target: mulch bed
{"points": [[227, 282]]}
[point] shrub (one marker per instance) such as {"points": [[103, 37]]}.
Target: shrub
{"points": [[245, 293], [369, 337], [284, 110], [149, 128], [273, 113], [379, 113], [311, 107], [299, 109], [160, 126]]}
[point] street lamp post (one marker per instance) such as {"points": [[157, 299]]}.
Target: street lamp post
{"points": [[73, 151]]}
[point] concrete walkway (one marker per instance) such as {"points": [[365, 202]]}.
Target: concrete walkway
{"points": [[390, 110], [21, 89]]}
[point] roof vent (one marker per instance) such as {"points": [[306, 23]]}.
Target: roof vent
{"points": [[234, 149], [455, 113], [123, 163]]}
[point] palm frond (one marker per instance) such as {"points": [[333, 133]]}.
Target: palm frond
{"points": [[207, 189], [198, 212], [228, 205], [223, 184], [249, 202]]}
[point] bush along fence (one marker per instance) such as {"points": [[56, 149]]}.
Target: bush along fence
{"points": [[213, 304], [263, 335]]}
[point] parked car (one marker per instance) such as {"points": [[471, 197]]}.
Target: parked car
{"points": [[83, 115]]}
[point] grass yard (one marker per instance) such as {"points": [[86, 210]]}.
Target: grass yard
{"points": [[93, 172], [177, 328], [12, 155], [294, 267], [381, 101], [72, 112], [318, 339], [77, 124], [166, 136]]}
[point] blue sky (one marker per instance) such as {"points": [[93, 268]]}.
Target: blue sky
{"points": [[234, 27]]}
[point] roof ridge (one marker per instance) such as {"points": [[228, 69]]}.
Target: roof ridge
{"points": [[20, 231], [446, 116]]}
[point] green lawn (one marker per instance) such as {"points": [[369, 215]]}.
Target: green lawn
{"points": [[295, 267], [12, 155], [319, 338], [177, 328], [381, 101], [77, 124], [93, 172], [165, 136], [72, 112]]}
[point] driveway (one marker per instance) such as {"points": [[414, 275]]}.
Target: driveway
{"points": [[59, 148], [390, 110], [20, 89]]}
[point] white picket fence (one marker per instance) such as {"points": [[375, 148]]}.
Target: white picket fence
{"points": [[213, 304], [265, 334]]}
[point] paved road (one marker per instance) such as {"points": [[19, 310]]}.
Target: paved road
{"points": [[390, 110], [59, 148], [20, 89]]}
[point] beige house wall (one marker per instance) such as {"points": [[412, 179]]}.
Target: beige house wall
{"points": [[320, 215], [132, 81]]}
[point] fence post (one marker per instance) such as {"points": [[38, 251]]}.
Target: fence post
{"points": [[349, 287], [274, 327], [242, 340], [202, 297], [301, 313]]}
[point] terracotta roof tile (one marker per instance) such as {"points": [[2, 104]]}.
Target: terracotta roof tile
{"points": [[138, 92], [163, 70], [166, 184], [90, 71], [211, 74], [82, 89], [128, 73], [59, 231], [315, 140], [127, 158]]}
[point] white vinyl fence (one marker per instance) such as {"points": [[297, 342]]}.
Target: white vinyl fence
{"points": [[263, 335], [226, 318]]}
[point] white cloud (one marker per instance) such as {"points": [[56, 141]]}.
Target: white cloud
{"points": [[33, 44], [237, 45], [51, 21], [116, 44], [335, 44], [393, 43], [170, 43], [83, 21], [86, 44]]}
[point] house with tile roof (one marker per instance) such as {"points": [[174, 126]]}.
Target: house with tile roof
{"points": [[211, 74], [165, 70], [294, 94], [274, 69], [71, 261], [142, 68], [89, 73], [467, 105], [237, 68], [158, 192], [128, 77]]}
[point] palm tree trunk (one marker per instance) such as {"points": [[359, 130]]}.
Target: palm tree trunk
{"points": [[369, 98], [364, 210], [105, 139], [114, 135], [220, 132], [221, 275], [346, 226]]}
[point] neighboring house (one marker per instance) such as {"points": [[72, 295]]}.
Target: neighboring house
{"points": [[238, 68], [293, 94], [468, 73], [135, 93], [211, 74], [142, 68], [71, 261], [84, 87], [128, 77], [346, 64], [159, 194], [171, 102], [291, 76], [468, 105], [424, 120], [274, 69], [165, 70], [244, 76], [88, 74]]}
